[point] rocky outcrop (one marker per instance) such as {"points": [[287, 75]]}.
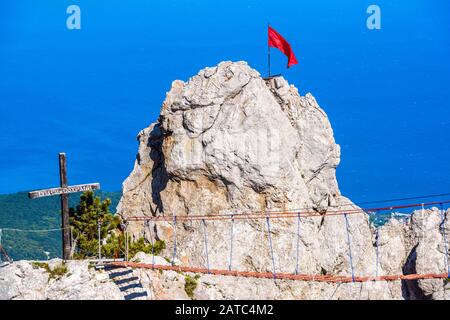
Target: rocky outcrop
{"points": [[228, 141], [26, 280]]}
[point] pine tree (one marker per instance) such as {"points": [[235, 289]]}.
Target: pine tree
{"points": [[84, 222]]}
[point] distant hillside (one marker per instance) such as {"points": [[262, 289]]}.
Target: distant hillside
{"points": [[18, 211]]}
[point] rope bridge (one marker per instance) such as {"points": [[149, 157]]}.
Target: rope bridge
{"points": [[286, 214]]}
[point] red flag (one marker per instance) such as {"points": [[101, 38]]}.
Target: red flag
{"points": [[277, 41]]}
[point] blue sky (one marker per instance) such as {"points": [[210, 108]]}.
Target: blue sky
{"points": [[88, 92]]}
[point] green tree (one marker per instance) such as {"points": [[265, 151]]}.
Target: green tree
{"points": [[84, 221]]}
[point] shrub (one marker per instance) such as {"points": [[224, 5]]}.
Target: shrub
{"points": [[141, 246], [84, 221], [55, 273], [190, 284]]}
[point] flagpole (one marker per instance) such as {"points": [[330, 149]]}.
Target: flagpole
{"points": [[268, 48]]}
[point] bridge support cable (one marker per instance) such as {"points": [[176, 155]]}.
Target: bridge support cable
{"points": [[377, 239], [126, 240], [231, 242], [271, 246], [377, 248], [205, 235], [298, 243], [282, 276], [147, 222], [283, 214], [174, 240], [347, 225], [99, 234]]}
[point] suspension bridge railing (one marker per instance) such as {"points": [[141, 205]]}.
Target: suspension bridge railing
{"points": [[289, 214]]}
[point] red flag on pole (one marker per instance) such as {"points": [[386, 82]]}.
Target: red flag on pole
{"points": [[277, 41]]}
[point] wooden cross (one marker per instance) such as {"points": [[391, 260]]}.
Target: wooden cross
{"points": [[64, 192]]}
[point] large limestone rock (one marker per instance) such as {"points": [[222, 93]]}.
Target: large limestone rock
{"points": [[228, 141], [25, 280]]}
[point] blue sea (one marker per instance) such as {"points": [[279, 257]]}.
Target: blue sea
{"points": [[89, 91]]}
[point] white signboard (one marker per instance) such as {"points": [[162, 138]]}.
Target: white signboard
{"points": [[59, 191]]}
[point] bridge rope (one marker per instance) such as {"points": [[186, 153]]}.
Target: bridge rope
{"points": [[298, 243], [231, 242], [347, 227], [205, 234], [151, 241], [377, 246], [2, 250], [283, 276], [271, 246], [274, 214], [405, 198], [33, 230]]}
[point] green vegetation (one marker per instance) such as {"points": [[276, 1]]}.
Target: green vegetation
{"points": [[141, 246], [43, 265], [55, 273], [190, 284], [84, 221], [17, 211]]}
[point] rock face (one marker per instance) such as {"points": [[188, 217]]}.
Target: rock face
{"points": [[228, 141], [24, 280]]}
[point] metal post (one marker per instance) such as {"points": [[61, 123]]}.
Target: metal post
{"points": [[268, 49], [72, 243], [99, 239], [174, 239], [206, 243], [377, 237], [377, 241], [231, 242], [271, 247], [126, 241], [298, 242], [349, 246], [153, 244]]}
